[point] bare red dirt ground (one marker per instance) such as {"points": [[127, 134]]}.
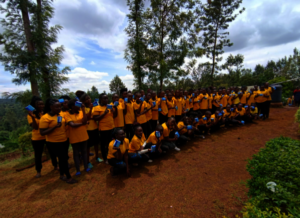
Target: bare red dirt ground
{"points": [[204, 179]]}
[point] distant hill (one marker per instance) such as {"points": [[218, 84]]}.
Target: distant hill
{"points": [[7, 101]]}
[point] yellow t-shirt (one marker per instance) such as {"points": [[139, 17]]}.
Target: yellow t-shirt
{"points": [[196, 104], [171, 112], [136, 143], [107, 122], [216, 98], [255, 111], [154, 113], [119, 120], [36, 135], [237, 100], [261, 99], [224, 100], [210, 98], [164, 107], [142, 118], [149, 113], [180, 125], [123, 147], [226, 113], [191, 103], [229, 100], [179, 103], [58, 134], [153, 139], [244, 98], [64, 114], [251, 99], [78, 134], [270, 91], [129, 117], [241, 112], [166, 131], [204, 103], [92, 123]]}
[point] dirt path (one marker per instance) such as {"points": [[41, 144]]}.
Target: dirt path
{"points": [[203, 180]]}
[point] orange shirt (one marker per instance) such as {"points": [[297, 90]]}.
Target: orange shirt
{"points": [[129, 117], [58, 134], [261, 99], [179, 103], [270, 93], [171, 112], [204, 102], [136, 143], [77, 134], [149, 113], [164, 107], [244, 98], [142, 118], [36, 135], [241, 112], [216, 98], [123, 147], [153, 139], [107, 122], [154, 110], [92, 123], [119, 120], [224, 100], [196, 104], [166, 131], [251, 99]]}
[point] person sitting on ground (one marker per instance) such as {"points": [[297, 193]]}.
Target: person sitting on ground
{"points": [[253, 111], [118, 155], [205, 123], [217, 121], [137, 151], [185, 130], [156, 138], [170, 140]]}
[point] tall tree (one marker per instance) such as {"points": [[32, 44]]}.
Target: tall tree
{"points": [[116, 84], [27, 46], [172, 37], [136, 51], [216, 15]]}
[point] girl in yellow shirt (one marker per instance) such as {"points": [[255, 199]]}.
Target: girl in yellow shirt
{"points": [[130, 118], [119, 118], [261, 101], [92, 129], [118, 155], [162, 108], [171, 105], [56, 137], [37, 140], [78, 136], [137, 151], [105, 114], [154, 120]]}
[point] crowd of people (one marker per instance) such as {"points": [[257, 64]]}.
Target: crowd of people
{"points": [[136, 127]]}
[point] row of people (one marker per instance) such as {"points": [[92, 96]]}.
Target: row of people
{"points": [[79, 121]]}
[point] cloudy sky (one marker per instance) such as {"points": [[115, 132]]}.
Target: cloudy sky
{"points": [[94, 38]]}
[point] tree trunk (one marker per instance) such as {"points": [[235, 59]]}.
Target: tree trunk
{"points": [[47, 89], [30, 46], [214, 57], [138, 47]]}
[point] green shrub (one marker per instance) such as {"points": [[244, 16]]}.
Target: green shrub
{"points": [[297, 117], [278, 162], [25, 143]]}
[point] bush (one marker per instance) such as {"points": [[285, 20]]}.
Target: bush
{"points": [[297, 117], [25, 143], [278, 162]]}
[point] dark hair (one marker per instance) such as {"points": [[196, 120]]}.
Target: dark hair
{"points": [[65, 97], [33, 101], [159, 127], [71, 103], [115, 132], [79, 93], [83, 96], [48, 104], [135, 126], [101, 96]]}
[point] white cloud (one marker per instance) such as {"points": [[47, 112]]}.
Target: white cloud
{"points": [[83, 79], [92, 63], [71, 58], [128, 81]]}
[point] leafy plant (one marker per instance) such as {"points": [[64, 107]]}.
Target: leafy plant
{"points": [[25, 143], [278, 162]]}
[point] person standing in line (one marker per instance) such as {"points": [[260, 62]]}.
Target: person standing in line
{"points": [[130, 118], [261, 98], [53, 126], [268, 102], [92, 129], [37, 140], [153, 100], [105, 114], [162, 108], [78, 136]]}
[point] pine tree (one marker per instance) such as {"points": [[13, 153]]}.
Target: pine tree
{"points": [[116, 84], [136, 51], [216, 15], [172, 38]]}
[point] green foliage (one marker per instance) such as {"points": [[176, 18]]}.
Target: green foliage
{"points": [[28, 52], [116, 84], [252, 211], [287, 87], [25, 143], [278, 162], [215, 19]]}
